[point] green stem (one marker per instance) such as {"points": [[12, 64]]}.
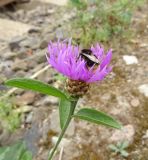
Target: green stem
{"points": [[72, 108]]}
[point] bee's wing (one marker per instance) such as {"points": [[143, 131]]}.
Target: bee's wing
{"points": [[92, 58]]}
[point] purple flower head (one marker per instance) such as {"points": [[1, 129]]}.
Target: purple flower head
{"points": [[66, 59]]}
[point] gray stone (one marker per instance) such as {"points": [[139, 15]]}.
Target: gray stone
{"points": [[31, 137], [34, 30], [9, 55], [19, 65], [25, 99], [43, 44], [30, 43], [10, 29], [14, 43], [20, 73]]}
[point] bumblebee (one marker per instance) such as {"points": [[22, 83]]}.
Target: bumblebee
{"points": [[90, 59]]}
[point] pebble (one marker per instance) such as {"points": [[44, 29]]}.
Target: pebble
{"points": [[14, 43], [43, 44], [130, 59], [51, 100], [10, 29], [9, 55], [143, 89], [25, 99], [135, 102], [30, 43], [19, 65], [34, 30]]}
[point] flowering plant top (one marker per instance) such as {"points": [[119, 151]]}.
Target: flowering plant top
{"points": [[66, 59]]}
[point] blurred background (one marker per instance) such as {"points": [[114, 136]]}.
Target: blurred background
{"points": [[26, 27]]}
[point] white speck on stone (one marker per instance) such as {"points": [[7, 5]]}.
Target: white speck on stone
{"points": [[130, 59], [125, 134], [143, 89]]}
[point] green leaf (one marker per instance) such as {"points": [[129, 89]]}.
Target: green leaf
{"points": [[124, 144], [97, 117], [64, 109], [17, 151], [124, 153], [36, 85], [113, 148]]}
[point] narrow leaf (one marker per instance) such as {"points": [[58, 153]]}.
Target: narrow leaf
{"points": [[97, 117], [64, 109], [113, 148], [36, 85], [124, 153]]}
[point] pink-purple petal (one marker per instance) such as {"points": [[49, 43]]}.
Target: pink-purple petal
{"points": [[64, 57]]}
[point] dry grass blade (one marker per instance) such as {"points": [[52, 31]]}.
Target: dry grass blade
{"points": [[61, 153]]}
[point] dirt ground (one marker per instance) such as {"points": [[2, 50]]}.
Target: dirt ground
{"points": [[123, 94]]}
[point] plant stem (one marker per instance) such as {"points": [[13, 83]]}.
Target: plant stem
{"points": [[72, 108]]}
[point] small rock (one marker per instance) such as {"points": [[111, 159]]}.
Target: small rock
{"points": [[9, 55], [20, 73], [51, 100], [19, 65], [14, 43], [143, 89], [34, 30], [46, 101], [135, 102], [31, 136], [43, 44], [125, 134], [30, 43], [130, 59], [25, 99], [10, 29]]}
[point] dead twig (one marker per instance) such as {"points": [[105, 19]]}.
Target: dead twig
{"points": [[61, 153]]}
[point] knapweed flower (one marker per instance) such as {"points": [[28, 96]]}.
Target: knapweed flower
{"points": [[90, 66]]}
